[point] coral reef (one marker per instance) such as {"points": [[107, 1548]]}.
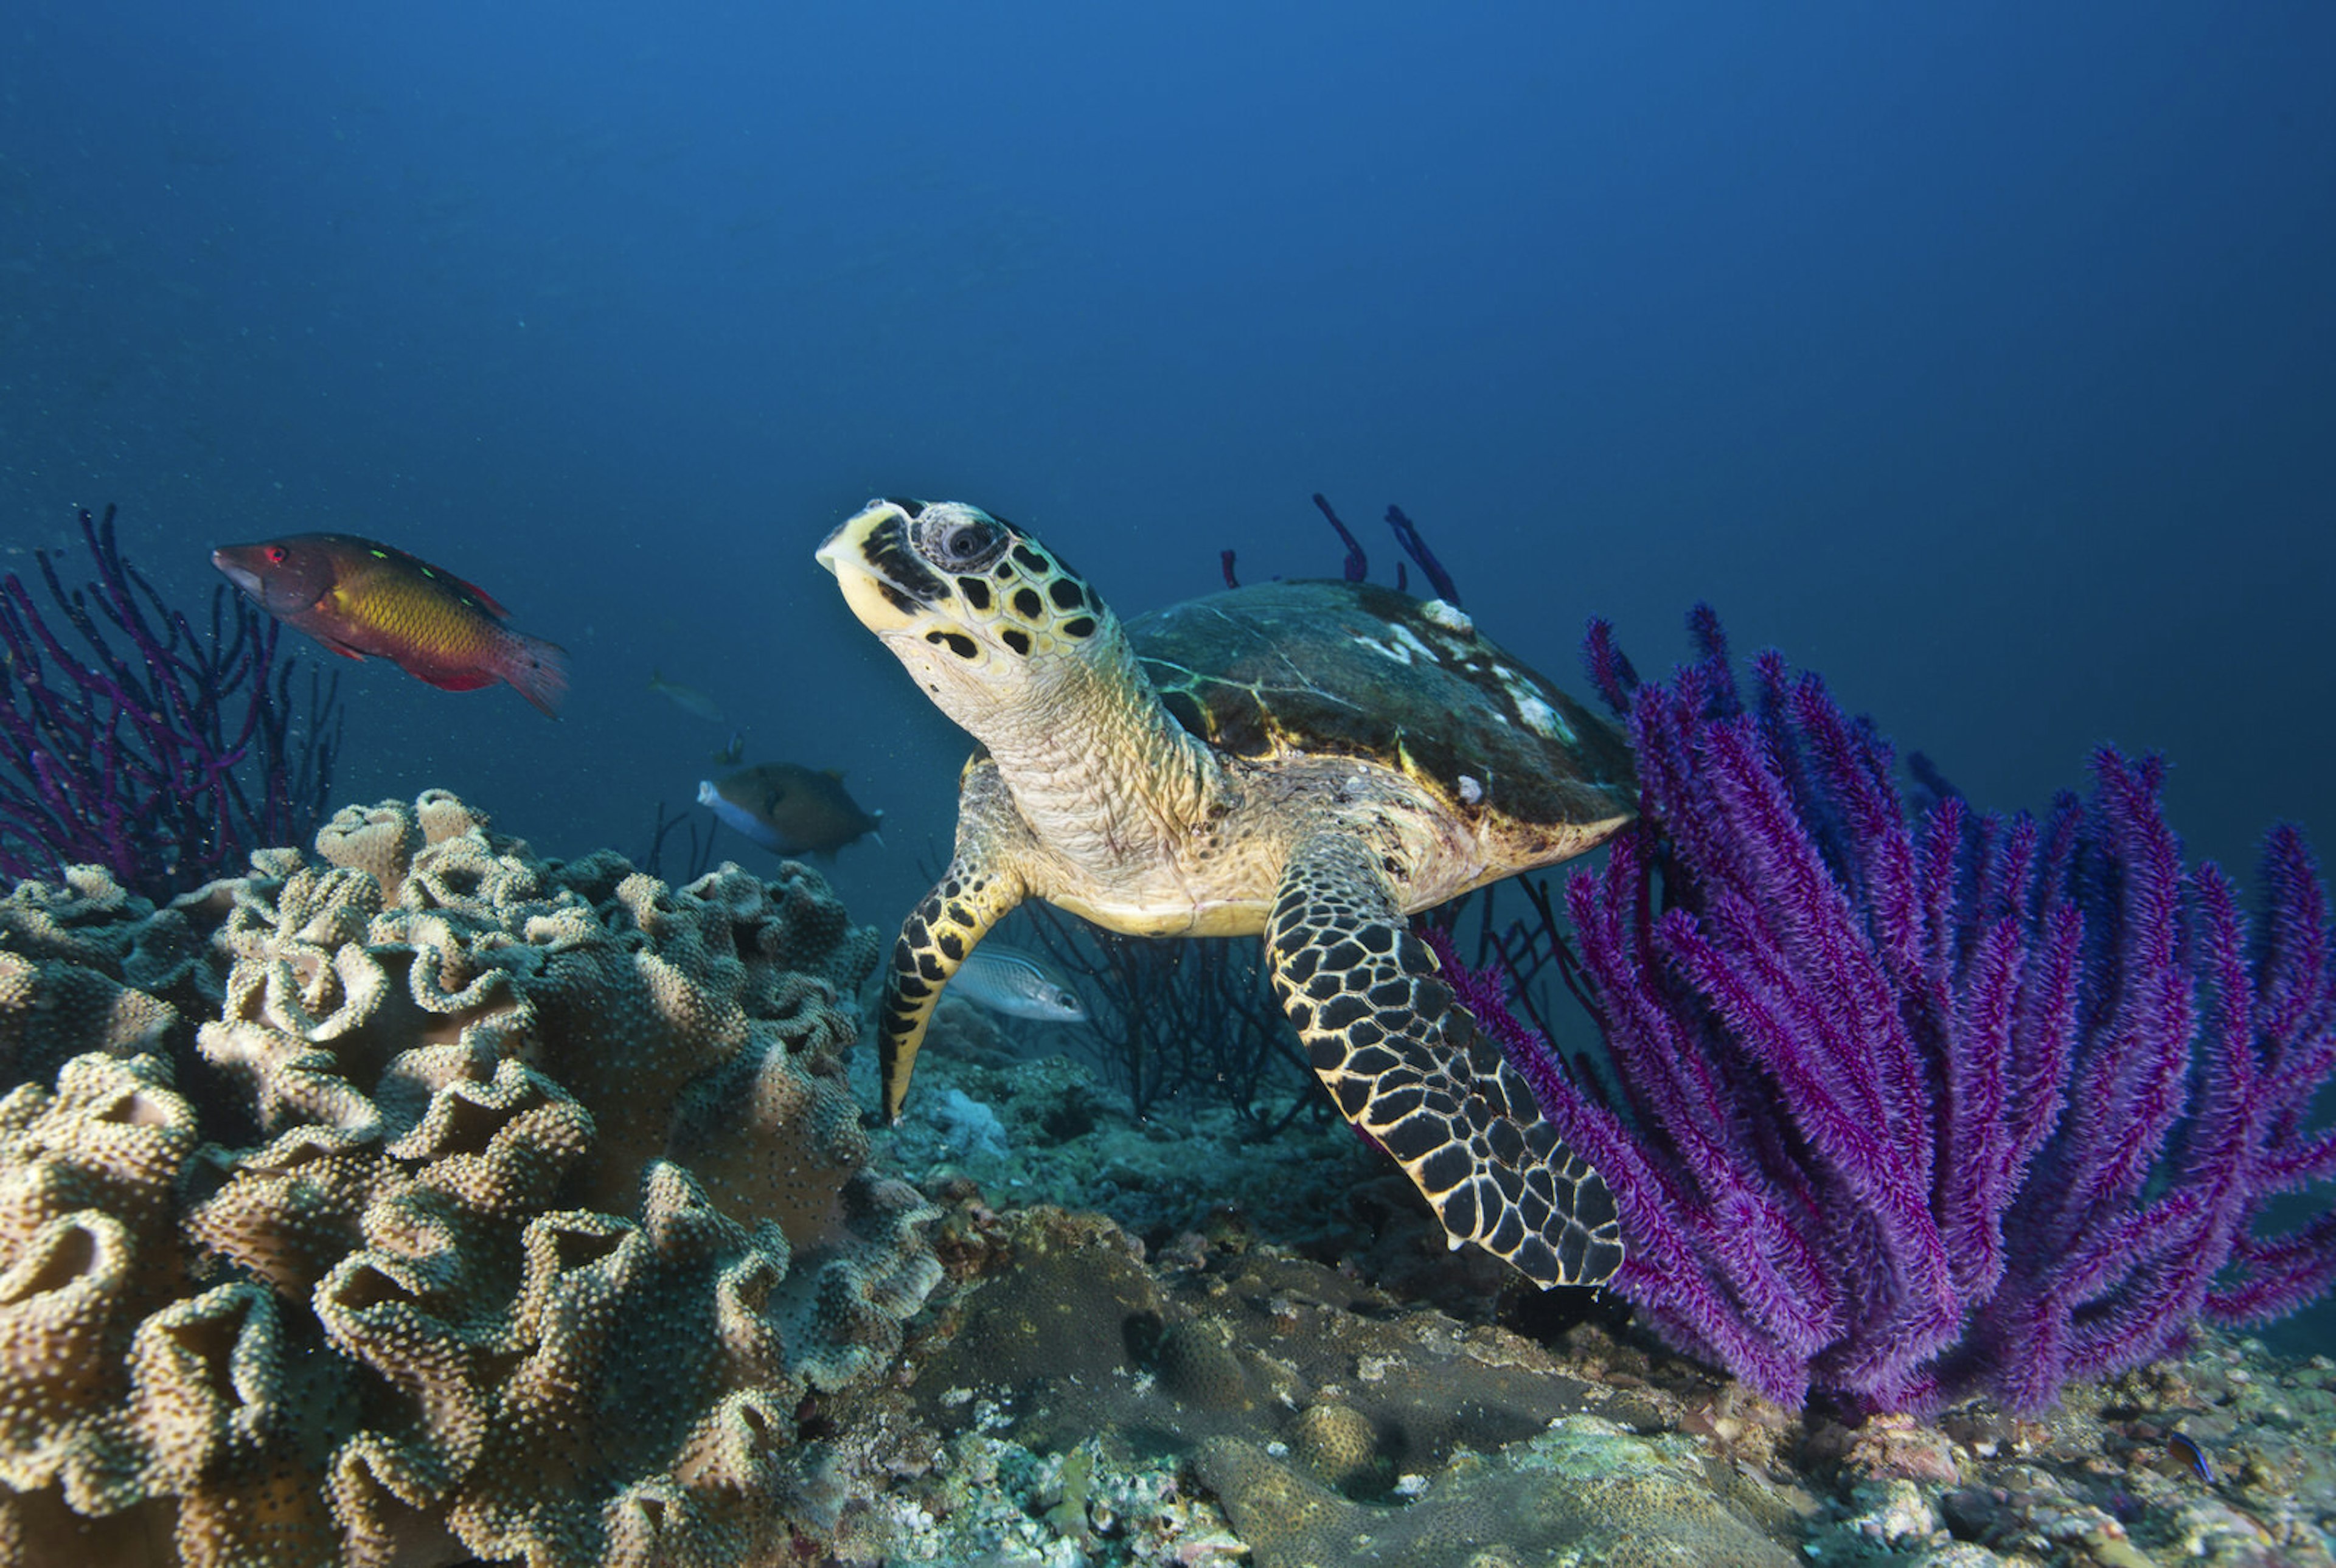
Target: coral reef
{"points": [[497, 1207], [1092, 1405], [1081, 1397], [1333, 1423], [423, 1201], [1920, 1106], [1586, 1491], [168, 759]]}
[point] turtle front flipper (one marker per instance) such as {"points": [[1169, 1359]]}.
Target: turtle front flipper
{"points": [[1408, 1065], [934, 941]]}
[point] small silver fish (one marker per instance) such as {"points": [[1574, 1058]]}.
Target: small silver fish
{"points": [[1010, 981], [687, 698]]}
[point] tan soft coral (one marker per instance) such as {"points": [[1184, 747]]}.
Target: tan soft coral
{"points": [[504, 1207]]}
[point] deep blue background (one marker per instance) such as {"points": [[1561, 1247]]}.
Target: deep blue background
{"points": [[1981, 356]]}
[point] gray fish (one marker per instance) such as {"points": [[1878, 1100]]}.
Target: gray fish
{"points": [[687, 698], [1010, 981], [789, 809]]}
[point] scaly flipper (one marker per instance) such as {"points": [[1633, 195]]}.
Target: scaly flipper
{"points": [[934, 941], [1411, 1068]]}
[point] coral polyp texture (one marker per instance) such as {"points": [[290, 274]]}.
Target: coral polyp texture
{"points": [[1917, 1105], [494, 1207]]}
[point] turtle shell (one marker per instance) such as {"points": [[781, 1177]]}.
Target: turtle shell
{"points": [[1359, 670]]}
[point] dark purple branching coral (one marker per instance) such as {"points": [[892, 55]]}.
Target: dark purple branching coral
{"points": [[1916, 1104], [129, 741], [1357, 565], [1407, 533]]}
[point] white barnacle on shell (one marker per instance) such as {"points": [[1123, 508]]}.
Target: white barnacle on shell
{"points": [[1410, 640], [1542, 719], [1450, 617], [1385, 650], [1538, 716], [1470, 790]]}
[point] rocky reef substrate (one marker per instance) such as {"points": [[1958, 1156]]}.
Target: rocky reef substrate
{"points": [[422, 1201], [1169, 1341]]}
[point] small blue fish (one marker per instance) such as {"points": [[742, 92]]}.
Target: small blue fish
{"points": [[1008, 980], [2184, 1447]]}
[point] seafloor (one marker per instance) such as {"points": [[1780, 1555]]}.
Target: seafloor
{"points": [[1175, 1341]]}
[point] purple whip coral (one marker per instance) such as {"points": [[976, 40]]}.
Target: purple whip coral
{"points": [[1917, 1105], [164, 757]]}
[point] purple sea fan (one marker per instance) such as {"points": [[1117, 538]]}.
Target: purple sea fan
{"points": [[130, 740], [1919, 1103]]}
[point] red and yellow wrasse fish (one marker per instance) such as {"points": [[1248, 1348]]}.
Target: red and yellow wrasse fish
{"points": [[359, 598]]}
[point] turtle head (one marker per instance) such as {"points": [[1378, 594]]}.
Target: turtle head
{"points": [[985, 618]]}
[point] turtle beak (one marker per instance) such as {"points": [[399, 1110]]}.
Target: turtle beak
{"points": [[847, 546], [868, 555]]}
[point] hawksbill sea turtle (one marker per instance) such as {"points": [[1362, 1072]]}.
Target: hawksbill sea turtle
{"points": [[1311, 761]]}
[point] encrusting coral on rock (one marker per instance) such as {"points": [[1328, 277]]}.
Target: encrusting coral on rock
{"points": [[500, 1208]]}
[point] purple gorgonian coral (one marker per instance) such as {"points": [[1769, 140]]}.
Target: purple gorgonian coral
{"points": [[1914, 1103], [132, 741]]}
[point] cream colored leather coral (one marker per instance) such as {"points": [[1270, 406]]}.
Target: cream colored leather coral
{"points": [[492, 1207]]}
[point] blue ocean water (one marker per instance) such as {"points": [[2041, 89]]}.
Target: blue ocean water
{"points": [[1981, 356]]}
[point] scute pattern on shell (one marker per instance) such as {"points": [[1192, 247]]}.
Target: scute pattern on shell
{"points": [[1361, 670], [500, 1207]]}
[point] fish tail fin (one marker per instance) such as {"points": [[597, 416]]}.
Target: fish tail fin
{"points": [[537, 671]]}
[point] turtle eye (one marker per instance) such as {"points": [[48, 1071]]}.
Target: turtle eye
{"points": [[964, 543], [958, 540]]}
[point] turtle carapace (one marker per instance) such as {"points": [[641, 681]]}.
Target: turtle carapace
{"points": [[1309, 760]]}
